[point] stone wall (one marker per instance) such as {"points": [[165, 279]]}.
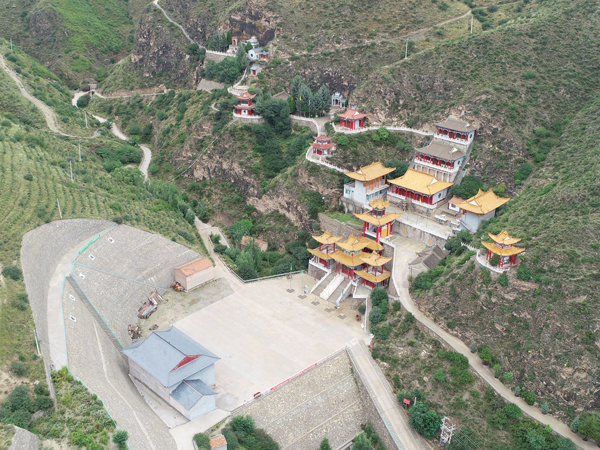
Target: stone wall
{"points": [[370, 411], [416, 234], [352, 206], [338, 228], [312, 271]]}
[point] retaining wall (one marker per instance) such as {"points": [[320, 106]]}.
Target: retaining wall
{"points": [[416, 234]]}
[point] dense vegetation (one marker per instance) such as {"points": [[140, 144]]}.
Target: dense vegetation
{"points": [[240, 433]]}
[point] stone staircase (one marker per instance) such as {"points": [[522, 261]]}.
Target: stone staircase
{"points": [[332, 287], [323, 283]]}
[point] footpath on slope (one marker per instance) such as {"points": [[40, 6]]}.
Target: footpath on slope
{"points": [[402, 258], [145, 163]]}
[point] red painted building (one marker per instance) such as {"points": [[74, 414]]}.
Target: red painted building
{"points": [[322, 146], [246, 107], [352, 119]]}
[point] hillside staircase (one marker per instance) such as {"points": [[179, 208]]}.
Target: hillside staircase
{"points": [[332, 287]]}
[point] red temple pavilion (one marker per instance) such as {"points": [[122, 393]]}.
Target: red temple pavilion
{"points": [[503, 247], [246, 107], [352, 119], [376, 222], [322, 146]]}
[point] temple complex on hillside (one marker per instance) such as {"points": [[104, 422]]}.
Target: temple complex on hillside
{"points": [[478, 208], [352, 119], [441, 160], [369, 183], [322, 146], [419, 189], [376, 222], [503, 247], [355, 257], [455, 130], [246, 107]]}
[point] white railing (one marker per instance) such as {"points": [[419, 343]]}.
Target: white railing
{"points": [[307, 119], [345, 130], [343, 294], [411, 200], [214, 52], [321, 162], [253, 117], [483, 262], [434, 166], [331, 287], [321, 267]]}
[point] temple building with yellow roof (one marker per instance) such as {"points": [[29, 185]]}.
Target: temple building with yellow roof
{"points": [[377, 222], [368, 183], [355, 257], [482, 206], [503, 247], [418, 188]]}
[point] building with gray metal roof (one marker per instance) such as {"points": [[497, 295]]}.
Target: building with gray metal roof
{"points": [[176, 368]]}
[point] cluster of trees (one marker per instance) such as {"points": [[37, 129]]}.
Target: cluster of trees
{"points": [[18, 407], [196, 53], [303, 99], [377, 316], [240, 433], [276, 112], [229, 69], [468, 187], [117, 156], [219, 42]]}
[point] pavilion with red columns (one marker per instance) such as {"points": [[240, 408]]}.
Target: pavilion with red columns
{"points": [[503, 247], [376, 222], [246, 107]]}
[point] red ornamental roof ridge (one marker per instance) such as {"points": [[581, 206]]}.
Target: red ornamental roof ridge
{"points": [[245, 96], [321, 146], [188, 359], [323, 137], [244, 106]]}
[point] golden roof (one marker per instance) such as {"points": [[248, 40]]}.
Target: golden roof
{"points": [[378, 221], [373, 259], [379, 203], [504, 238], [327, 238], [420, 182], [347, 260], [508, 251], [370, 172], [354, 244], [482, 202], [318, 253], [373, 278]]}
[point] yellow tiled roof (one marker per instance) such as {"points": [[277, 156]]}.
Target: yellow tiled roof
{"points": [[327, 238], [373, 278], [373, 259], [504, 238], [353, 244], [379, 203], [508, 251], [318, 253], [370, 172], [420, 182], [483, 202], [366, 217], [347, 260]]}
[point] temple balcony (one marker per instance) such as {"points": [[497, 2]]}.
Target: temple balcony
{"points": [[424, 163], [406, 199], [444, 137]]}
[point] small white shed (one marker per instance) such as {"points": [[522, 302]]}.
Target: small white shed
{"points": [[195, 273]]}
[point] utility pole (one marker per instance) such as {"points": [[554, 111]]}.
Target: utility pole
{"points": [[11, 45], [79, 151], [406, 52], [71, 166], [59, 211], [471, 24], [85, 112]]}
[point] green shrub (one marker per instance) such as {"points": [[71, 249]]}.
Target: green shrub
{"points": [[42, 403], [503, 280], [202, 441], [380, 299], [440, 375], [524, 273], [245, 424], [396, 306], [120, 438], [425, 421], [376, 315], [513, 411], [508, 376], [485, 354], [565, 444], [325, 444], [535, 440], [545, 408], [12, 272], [575, 424], [343, 141], [28, 177], [497, 370], [83, 101], [590, 427], [18, 368], [18, 400], [528, 396], [517, 391]]}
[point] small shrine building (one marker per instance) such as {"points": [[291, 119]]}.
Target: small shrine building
{"points": [[503, 247], [419, 188], [322, 146], [369, 183], [374, 275], [352, 119], [246, 107], [482, 206], [338, 100], [376, 222], [455, 130], [323, 254]]}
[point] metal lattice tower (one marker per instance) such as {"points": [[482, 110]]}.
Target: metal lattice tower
{"points": [[447, 430]]}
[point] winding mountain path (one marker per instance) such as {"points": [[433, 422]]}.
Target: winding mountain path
{"points": [[402, 258], [147, 156]]}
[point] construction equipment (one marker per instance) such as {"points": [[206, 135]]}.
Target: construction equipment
{"points": [[176, 286], [134, 331]]}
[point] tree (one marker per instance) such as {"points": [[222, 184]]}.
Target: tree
{"points": [[590, 427], [517, 391], [468, 187], [295, 86], [380, 299], [524, 273], [508, 376], [242, 423], [361, 442], [545, 408], [303, 97], [242, 57], [12, 272], [322, 98], [425, 421], [575, 424], [277, 113], [229, 40], [485, 354], [325, 444], [247, 272], [202, 441], [513, 411], [240, 229], [343, 140], [83, 101], [536, 440], [120, 438], [529, 396], [376, 316], [401, 168], [503, 280]]}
